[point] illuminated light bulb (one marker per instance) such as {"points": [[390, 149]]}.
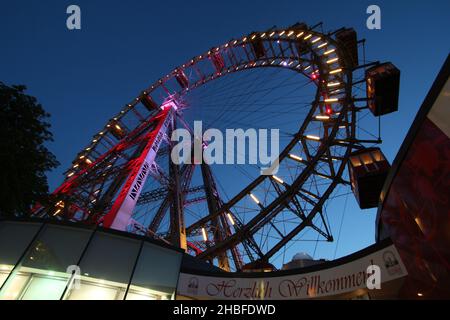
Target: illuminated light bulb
{"points": [[70, 174], [290, 33], [263, 35], [272, 62], [342, 127], [278, 179], [308, 67], [297, 158], [205, 237], [245, 39], [75, 166], [333, 84], [234, 42], [271, 35], [420, 294], [315, 40], [329, 51], [88, 161], [300, 34], [254, 198], [332, 60], [311, 137], [230, 217], [88, 149], [56, 212], [254, 36], [94, 141], [282, 33], [118, 127], [331, 100], [335, 71], [321, 117], [308, 36], [322, 45]]}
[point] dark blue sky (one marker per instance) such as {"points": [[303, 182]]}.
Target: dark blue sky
{"points": [[84, 77]]}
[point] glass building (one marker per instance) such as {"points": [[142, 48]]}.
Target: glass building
{"points": [[50, 261]]}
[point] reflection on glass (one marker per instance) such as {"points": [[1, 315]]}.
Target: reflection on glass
{"points": [[44, 288], [13, 246], [106, 267], [110, 257], [141, 295], [160, 279], [4, 272], [57, 248], [16, 285], [108, 264], [97, 290], [45, 264]]}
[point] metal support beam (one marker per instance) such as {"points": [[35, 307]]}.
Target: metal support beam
{"points": [[178, 230], [214, 206]]}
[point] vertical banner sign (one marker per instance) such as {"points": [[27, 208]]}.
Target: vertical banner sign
{"points": [[122, 209]]}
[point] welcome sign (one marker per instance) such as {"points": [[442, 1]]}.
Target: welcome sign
{"points": [[332, 281]]}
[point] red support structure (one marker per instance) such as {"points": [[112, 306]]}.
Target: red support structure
{"points": [[122, 208]]}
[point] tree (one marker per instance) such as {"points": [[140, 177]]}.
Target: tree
{"points": [[24, 159]]}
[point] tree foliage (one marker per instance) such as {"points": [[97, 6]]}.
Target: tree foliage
{"points": [[24, 158]]}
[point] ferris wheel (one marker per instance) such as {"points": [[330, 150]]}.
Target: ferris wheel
{"points": [[306, 83]]}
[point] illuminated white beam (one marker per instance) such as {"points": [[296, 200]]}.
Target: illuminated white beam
{"points": [[205, 237], [230, 217], [254, 198], [295, 157], [278, 179]]}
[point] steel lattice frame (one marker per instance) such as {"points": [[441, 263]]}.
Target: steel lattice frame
{"points": [[98, 173]]}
